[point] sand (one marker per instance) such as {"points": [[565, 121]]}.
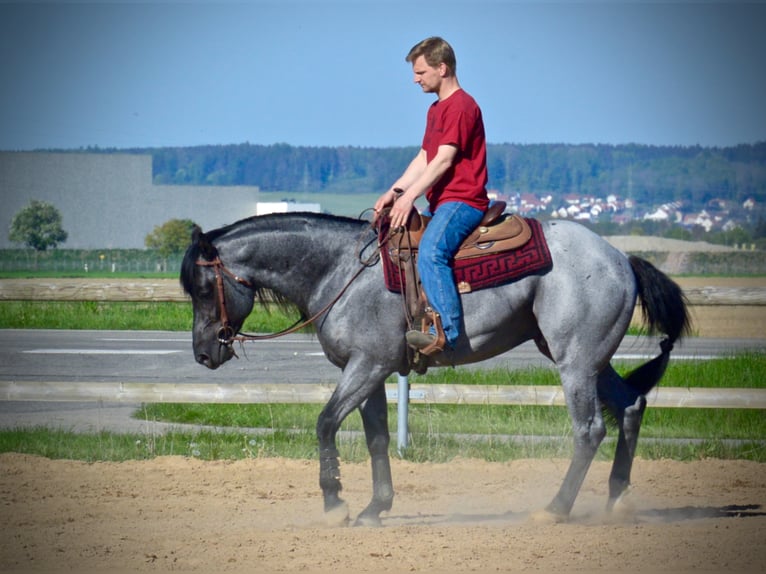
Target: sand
{"points": [[265, 515]]}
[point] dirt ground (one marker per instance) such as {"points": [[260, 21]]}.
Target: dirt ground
{"points": [[264, 515], [730, 321]]}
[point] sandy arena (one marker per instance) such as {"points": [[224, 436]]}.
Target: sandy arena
{"points": [[264, 515]]}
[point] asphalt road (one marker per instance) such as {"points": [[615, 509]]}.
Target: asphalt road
{"points": [[166, 357]]}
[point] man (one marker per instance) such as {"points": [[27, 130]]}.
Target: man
{"points": [[451, 169]]}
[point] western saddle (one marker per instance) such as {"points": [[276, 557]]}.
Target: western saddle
{"points": [[495, 233]]}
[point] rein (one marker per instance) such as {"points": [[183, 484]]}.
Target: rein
{"points": [[227, 335]]}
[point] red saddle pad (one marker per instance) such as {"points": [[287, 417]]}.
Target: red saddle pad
{"points": [[489, 270]]}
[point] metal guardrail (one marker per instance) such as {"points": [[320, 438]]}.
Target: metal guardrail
{"points": [[552, 395], [91, 290], [170, 290]]}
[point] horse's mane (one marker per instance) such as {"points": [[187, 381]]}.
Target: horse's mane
{"points": [[295, 220], [202, 244]]}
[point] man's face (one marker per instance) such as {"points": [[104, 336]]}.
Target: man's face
{"points": [[427, 77]]}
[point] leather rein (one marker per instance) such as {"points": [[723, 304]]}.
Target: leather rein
{"points": [[227, 335]]}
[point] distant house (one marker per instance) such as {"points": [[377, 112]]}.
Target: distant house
{"points": [[703, 219], [530, 204]]}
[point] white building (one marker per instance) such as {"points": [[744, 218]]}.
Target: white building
{"points": [[264, 207]]}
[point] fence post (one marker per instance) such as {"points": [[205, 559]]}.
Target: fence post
{"points": [[402, 414]]}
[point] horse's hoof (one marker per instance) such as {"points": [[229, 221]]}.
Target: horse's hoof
{"points": [[623, 505], [337, 516], [546, 517], [369, 520]]}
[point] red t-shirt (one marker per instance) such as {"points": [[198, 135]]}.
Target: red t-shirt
{"points": [[457, 121]]}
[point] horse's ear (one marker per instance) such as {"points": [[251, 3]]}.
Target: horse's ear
{"points": [[196, 233], [206, 248]]}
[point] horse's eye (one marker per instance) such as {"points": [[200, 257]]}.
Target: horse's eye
{"points": [[205, 291]]}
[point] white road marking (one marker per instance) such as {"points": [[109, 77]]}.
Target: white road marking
{"points": [[188, 340], [673, 357], [141, 340], [101, 351]]}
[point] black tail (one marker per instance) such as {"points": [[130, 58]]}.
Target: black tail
{"points": [[664, 309], [663, 303]]}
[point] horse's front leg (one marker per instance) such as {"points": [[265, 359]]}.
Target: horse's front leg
{"points": [[336, 510], [360, 381], [375, 419]]}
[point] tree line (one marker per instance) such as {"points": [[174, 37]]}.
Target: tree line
{"points": [[646, 174]]}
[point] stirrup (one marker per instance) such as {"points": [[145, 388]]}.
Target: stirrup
{"points": [[430, 318]]}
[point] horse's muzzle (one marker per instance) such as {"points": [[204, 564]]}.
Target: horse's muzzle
{"points": [[204, 359], [215, 359]]}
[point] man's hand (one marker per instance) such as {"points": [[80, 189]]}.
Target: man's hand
{"points": [[383, 201], [400, 212]]}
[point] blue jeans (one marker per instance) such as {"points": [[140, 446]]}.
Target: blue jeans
{"points": [[450, 225]]}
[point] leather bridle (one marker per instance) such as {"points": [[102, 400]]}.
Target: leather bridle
{"points": [[227, 335]]}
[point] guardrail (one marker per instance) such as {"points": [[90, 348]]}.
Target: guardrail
{"points": [[91, 290], [170, 290], [132, 392]]}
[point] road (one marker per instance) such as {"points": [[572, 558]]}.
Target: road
{"points": [[166, 357]]}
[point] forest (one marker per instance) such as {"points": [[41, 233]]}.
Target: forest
{"points": [[649, 175]]}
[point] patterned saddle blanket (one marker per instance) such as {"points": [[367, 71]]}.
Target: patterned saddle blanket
{"points": [[508, 249]]}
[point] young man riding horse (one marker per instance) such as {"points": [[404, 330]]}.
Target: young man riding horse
{"points": [[451, 169]]}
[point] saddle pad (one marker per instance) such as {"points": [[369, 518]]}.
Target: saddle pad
{"points": [[474, 273]]}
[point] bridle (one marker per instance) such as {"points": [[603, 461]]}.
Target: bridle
{"points": [[227, 335]]}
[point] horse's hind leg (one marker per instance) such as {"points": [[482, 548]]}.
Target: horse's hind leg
{"points": [[588, 430], [630, 424], [375, 418], [627, 407]]}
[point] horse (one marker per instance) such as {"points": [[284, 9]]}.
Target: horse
{"points": [[577, 312]]}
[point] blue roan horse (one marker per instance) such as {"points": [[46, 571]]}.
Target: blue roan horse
{"points": [[577, 313]]}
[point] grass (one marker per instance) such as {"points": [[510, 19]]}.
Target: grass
{"points": [[151, 316], [438, 432], [114, 447], [432, 425]]}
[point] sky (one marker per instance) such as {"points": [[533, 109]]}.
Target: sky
{"points": [[321, 73]]}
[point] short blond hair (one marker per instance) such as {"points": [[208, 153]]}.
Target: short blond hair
{"points": [[436, 51]]}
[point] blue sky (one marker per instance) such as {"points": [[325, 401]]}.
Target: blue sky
{"points": [[325, 73]]}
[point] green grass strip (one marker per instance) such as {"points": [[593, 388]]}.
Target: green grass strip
{"points": [[152, 316]]}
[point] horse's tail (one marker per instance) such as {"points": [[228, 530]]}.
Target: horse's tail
{"points": [[664, 310]]}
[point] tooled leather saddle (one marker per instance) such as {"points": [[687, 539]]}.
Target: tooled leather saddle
{"points": [[501, 249]]}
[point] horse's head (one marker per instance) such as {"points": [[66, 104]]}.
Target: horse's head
{"points": [[220, 300]]}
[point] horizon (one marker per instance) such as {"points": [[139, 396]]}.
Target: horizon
{"points": [[98, 149]]}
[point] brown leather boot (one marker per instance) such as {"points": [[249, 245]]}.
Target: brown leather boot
{"points": [[424, 341]]}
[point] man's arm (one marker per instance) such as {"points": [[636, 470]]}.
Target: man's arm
{"points": [[416, 167], [426, 178]]}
